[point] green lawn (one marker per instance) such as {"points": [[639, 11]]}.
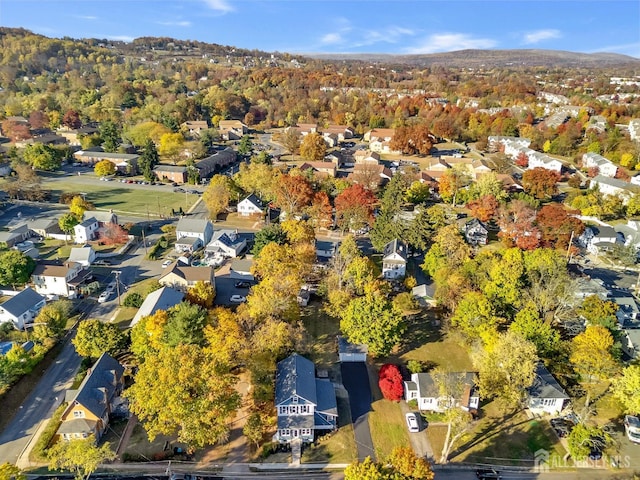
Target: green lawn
{"points": [[320, 338], [338, 447], [387, 426], [126, 314], [122, 199]]}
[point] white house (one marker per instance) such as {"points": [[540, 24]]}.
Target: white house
{"points": [[251, 205], [51, 278], [598, 238], [394, 259], [605, 167], [85, 255], [634, 129], [305, 405], [614, 187], [511, 145], [540, 160], [86, 231], [226, 243], [351, 352], [22, 308], [423, 388], [193, 233], [546, 395]]}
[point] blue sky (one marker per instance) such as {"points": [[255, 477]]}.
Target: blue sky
{"points": [[348, 26]]}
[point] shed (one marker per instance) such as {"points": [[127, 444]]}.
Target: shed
{"points": [[350, 352]]}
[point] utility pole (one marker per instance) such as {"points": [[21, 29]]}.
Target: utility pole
{"points": [[569, 247], [144, 241], [117, 274]]}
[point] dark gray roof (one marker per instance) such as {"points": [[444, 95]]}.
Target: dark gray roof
{"points": [[161, 299], [242, 265], [253, 198], [395, 246], [188, 241], [89, 221], [78, 425], [170, 168], [192, 225], [429, 389], [227, 237], [545, 385], [22, 302], [475, 223], [295, 421], [326, 396], [344, 346], [99, 385], [295, 375]]}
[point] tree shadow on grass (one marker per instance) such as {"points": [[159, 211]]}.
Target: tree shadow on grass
{"points": [[424, 328]]}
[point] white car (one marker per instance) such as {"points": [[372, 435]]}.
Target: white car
{"points": [[632, 428], [166, 263], [237, 299], [412, 422], [104, 296]]}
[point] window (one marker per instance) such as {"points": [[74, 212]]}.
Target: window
{"points": [[304, 409], [548, 402], [305, 432], [78, 414], [285, 432]]}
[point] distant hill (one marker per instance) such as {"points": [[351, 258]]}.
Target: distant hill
{"points": [[492, 58]]}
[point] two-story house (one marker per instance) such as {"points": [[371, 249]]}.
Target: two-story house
{"points": [[394, 259], [193, 233], [232, 129], [22, 308], [90, 406], [226, 243], [86, 231], [53, 278], [251, 205], [305, 405], [424, 388]]}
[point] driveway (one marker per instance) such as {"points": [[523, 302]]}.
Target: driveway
{"points": [[355, 379], [419, 440]]}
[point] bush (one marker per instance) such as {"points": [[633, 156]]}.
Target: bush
{"points": [[133, 300], [390, 382], [415, 366], [39, 452]]}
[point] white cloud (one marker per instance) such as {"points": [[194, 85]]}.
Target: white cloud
{"points": [[121, 38], [86, 17], [449, 42], [331, 39], [540, 35], [219, 5], [179, 23]]}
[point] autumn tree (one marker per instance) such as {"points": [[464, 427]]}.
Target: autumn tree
{"points": [[95, 337], [475, 316], [531, 327], [52, 319], [591, 353], [374, 321], [321, 211], [517, 224], [225, 337], [298, 231], [484, 208], [217, 195], [354, 208], [390, 382], [15, 131], [79, 205], [450, 184], [449, 250], [42, 157], [113, 234], [183, 390], [313, 147], [147, 336], [292, 193], [141, 133], [290, 139], [507, 368], [79, 456], [104, 168], [71, 119], [626, 388], [412, 140], [170, 146], [599, 312], [556, 225], [258, 178], [11, 472], [15, 268], [540, 182]]}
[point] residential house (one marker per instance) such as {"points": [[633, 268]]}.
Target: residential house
{"points": [[226, 243], [85, 255], [336, 158], [382, 147], [628, 314], [307, 128], [74, 135], [16, 235], [599, 238], [104, 217], [351, 352], [305, 405], [213, 163], [251, 205], [366, 156], [124, 162], [614, 187], [437, 165], [90, 407], [240, 269], [510, 145], [326, 249], [330, 139], [320, 169], [605, 167], [232, 129], [424, 294], [394, 259], [303, 297], [193, 128], [86, 231], [193, 233], [342, 131], [634, 129], [383, 134], [162, 299], [631, 233], [476, 232], [370, 176], [54, 278], [541, 160], [480, 168], [546, 395], [171, 173], [182, 277], [45, 227], [424, 389], [22, 308]]}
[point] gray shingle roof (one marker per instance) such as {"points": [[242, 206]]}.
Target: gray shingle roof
{"points": [[295, 375], [161, 299], [344, 346], [395, 246], [192, 225], [22, 302], [326, 396], [545, 385]]}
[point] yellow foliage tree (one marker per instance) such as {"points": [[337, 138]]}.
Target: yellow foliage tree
{"points": [[171, 146], [104, 168]]}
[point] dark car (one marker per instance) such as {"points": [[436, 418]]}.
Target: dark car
{"points": [[242, 285], [488, 474], [595, 454]]}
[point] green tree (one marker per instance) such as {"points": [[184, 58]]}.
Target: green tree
{"points": [[183, 390], [186, 324], [245, 147], [475, 316], [52, 319], [104, 168], [448, 251], [171, 146], [81, 457], [217, 195], [591, 353], [110, 134], [626, 388], [15, 268], [254, 428], [133, 300], [583, 438], [11, 472], [313, 147], [148, 160], [529, 324], [599, 312], [95, 337], [263, 157], [373, 320], [67, 222], [270, 233], [42, 157]]}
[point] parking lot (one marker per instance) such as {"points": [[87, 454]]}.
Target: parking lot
{"points": [[225, 286]]}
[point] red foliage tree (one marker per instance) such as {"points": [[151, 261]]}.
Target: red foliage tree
{"points": [[71, 119], [390, 382], [112, 234], [484, 208], [293, 193], [593, 172], [540, 182], [354, 207], [522, 160], [15, 131], [556, 224], [321, 211], [38, 119], [516, 222]]}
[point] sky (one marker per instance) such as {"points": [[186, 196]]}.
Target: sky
{"points": [[347, 26]]}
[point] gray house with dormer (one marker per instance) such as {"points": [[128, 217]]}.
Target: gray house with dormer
{"points": [[192, 234], [22, 308], [305, 405], [546, 395], [394, 259]]}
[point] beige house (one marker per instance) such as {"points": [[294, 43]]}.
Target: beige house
{"points": [[232, 129], [194, 128], [182, 277]]}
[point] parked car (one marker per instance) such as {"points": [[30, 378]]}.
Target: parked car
{"points": [[488, 474], [412, 422], [102, 262], [166, 263], [104, 296], [242, 285], [237, 299], [632, 428]]}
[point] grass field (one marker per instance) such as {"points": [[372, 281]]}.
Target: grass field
{"points": [[338, 447], [149, 199], [387, 426], [321, 331]]}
